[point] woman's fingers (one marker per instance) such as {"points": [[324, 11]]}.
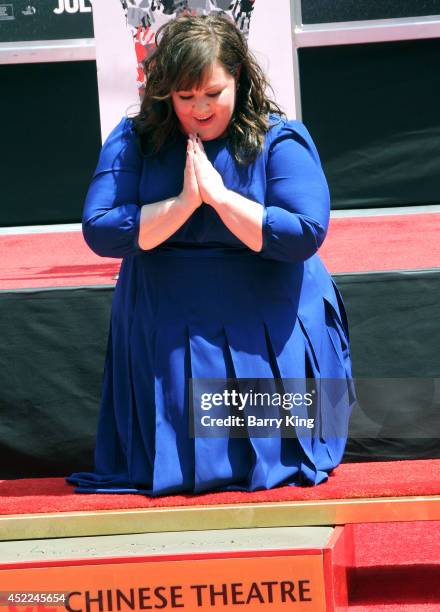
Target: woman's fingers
{"points": [[197, 145], [190, 164], [200, 145], [194, 153], [189, 153], [191, 187], [210, 182]]}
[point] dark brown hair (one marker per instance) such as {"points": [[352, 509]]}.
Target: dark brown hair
{"points": [[186, 48]]}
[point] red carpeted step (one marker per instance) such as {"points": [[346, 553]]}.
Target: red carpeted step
{"points": [[396, 567], [379, 243], [399, 543], [353, 244], [350, 480], [382, 607]]}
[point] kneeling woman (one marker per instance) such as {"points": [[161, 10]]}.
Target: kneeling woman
{"points": [[217, 204]]}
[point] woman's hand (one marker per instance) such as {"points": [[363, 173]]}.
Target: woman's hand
{"points": [[190, 195], [210, 182], [241, 216]]}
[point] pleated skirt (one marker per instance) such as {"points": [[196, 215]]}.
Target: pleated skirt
{"points": [[215, 313]]}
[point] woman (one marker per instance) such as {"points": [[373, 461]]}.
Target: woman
{"points": [[217, 205]]}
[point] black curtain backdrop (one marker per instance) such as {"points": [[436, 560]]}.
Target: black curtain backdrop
{"points": [[50, 140], [52, 358], [394, 339], [372, 110]]}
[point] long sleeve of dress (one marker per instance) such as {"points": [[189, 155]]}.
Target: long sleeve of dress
{"points": [[111, 215], [296, 216]]}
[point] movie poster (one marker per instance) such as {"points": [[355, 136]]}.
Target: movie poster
{"points": [[125, 34], [144, 17]]}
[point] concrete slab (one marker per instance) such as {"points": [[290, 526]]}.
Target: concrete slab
{"points": [[167, 543]]}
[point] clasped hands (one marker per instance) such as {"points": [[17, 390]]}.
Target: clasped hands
{"points": [[202, 182]]}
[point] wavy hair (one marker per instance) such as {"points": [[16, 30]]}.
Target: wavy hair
{"points": [[186, 48]]}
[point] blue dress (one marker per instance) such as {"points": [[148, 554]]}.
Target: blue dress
{"points": [[202, 305]]}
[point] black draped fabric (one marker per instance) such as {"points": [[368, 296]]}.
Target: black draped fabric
{"points": [[50, 374], [378, 132]]}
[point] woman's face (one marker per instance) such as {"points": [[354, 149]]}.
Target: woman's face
{"points": [[207, 110]]}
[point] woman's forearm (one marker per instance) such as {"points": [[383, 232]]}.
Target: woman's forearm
{"points": [[160, 220], [243, 217]]}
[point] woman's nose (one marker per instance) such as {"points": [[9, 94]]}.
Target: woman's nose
{"points": [[200, 105]]}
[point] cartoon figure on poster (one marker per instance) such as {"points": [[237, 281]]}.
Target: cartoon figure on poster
{"points": [[144, 17]]}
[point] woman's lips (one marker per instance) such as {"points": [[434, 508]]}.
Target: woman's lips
{"points": [[206, 121]]}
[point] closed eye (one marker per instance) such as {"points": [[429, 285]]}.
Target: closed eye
{"points": [[210, 95]]}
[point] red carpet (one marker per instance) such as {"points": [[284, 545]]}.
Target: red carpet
{"points": [[351, 480], [396, 567], [394, 242], [358, 244], [397, 544], [399, 607]]}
